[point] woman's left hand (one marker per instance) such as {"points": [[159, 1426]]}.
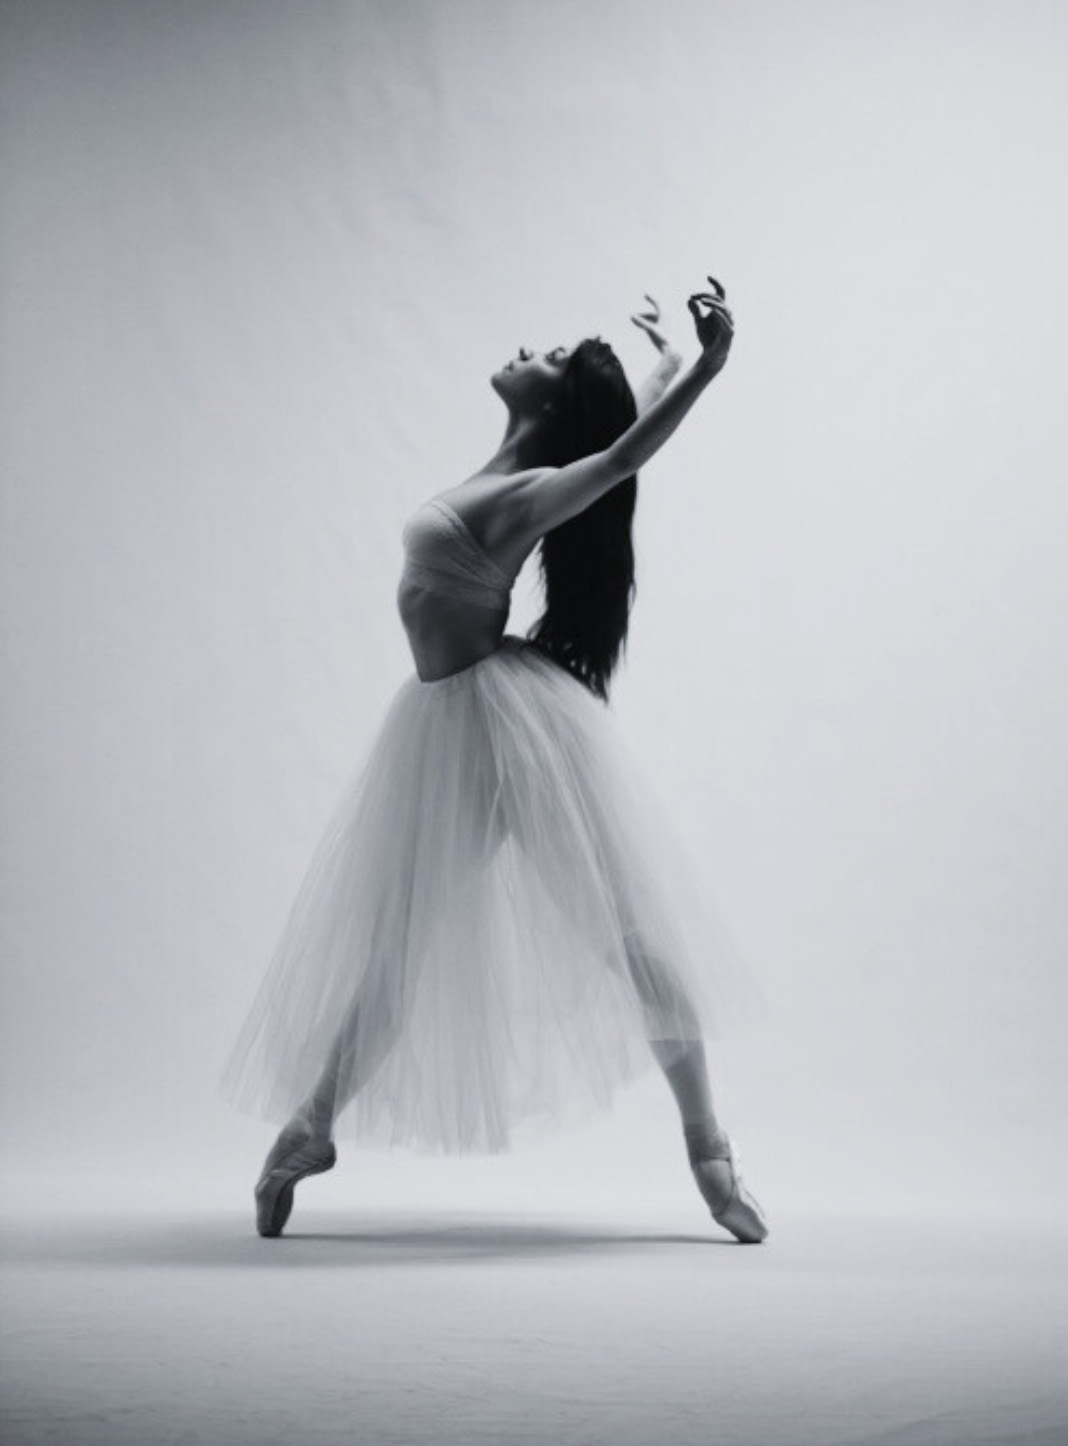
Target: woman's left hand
{"points": [[714, 323]]}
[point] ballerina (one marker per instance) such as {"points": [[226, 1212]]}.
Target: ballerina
{"points": [[497, 927]]}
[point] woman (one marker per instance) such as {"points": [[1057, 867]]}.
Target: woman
{"points": [[496, 929]]}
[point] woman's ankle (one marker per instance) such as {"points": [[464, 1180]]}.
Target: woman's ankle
{"points": [[705, 1140], [318, 1119]]}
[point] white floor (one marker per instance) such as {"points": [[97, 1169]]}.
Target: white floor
{"points": [[469, 1325]]}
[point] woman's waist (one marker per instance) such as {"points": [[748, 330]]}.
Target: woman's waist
{"points": [[431, 609], [446, 637], [455, 672]]}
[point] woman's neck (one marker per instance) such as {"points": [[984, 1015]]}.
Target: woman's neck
{"points": [[522, 448]]}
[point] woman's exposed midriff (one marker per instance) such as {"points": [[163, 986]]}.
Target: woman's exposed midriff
{"points": [[447, 635]]}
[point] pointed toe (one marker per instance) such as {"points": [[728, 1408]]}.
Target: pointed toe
{"points": [[741, 1213], [293, 1158]]}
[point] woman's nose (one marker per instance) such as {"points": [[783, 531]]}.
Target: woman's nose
{"points": [[525, 353]]}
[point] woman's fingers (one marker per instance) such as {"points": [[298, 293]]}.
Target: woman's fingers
{"points": [[714, 323], [649, 324], [713, 304], [711, 297]]}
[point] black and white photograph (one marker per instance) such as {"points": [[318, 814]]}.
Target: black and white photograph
{"points": [[534, 722]]}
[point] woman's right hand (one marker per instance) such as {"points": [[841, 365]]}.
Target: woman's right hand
{"points": [[714, 325]]}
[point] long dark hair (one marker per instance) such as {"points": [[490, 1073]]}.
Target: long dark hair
{"points": [[587, 563]]}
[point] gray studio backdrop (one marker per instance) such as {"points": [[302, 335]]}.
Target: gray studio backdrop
{"points": [[259, 260]]}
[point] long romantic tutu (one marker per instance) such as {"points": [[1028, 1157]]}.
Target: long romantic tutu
{"points": [[493, 928]]}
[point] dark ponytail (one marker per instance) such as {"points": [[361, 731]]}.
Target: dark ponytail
{"points": [[587, 564]]}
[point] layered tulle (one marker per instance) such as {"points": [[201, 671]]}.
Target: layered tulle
{"points": [[494, 926]]}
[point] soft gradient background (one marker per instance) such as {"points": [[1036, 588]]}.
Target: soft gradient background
{"points": [[258, 260]]}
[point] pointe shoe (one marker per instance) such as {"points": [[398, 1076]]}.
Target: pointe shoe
{"points": [[294, 1156], [741, 1215]]}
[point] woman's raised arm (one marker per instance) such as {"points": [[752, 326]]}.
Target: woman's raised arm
{"points": [[554, 495], [662, 375]]}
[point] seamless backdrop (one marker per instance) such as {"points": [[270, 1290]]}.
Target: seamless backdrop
{"points": [[258, 261]]}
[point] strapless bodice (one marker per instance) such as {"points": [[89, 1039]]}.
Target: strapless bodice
{"points": [[453, 598], [441, 556]]}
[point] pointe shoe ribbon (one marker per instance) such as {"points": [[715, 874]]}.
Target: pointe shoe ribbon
{"points": [[294, 1156]]}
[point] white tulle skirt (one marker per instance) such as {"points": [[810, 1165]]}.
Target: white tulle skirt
{"points": [[494, 927]]}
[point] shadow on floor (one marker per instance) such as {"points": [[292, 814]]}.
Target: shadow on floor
{"points": [[318, 1240]]}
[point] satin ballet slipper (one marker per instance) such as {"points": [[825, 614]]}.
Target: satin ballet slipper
{"points": [[294, 1156], [741, 1214]]}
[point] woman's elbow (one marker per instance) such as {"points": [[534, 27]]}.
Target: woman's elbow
{"points": [[621, 460]]}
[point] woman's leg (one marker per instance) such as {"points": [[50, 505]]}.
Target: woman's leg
{"points": [[680, 1053], [685, 1069], [353, 1058], [304, 1145], [671, 1022], [356, 1052]]}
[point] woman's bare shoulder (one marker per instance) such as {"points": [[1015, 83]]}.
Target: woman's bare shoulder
{"points": [[495, 507]]}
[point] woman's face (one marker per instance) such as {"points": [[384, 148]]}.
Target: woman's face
{"points": [[530, 379]]}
